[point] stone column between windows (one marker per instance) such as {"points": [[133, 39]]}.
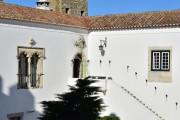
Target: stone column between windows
{"points": [[29, 70], [40, 71]]}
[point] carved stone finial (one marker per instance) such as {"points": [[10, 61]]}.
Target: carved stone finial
{"points": [[32, 42], [80, 43]]}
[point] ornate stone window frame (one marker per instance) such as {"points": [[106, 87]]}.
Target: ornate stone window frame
{"points": [[30, 51], [80, 45]]}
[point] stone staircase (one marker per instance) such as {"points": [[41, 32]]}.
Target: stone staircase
{"points": [[140, 101], [129, 93]]}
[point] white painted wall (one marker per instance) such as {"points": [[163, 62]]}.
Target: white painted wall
{"points": [[127, 47], [59, 51], [130, 47]]}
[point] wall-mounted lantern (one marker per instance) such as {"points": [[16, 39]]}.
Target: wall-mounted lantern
{"points": [[102, 46]]}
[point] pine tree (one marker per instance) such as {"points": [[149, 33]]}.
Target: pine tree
{"points": [[82, 102], [112, 116]]}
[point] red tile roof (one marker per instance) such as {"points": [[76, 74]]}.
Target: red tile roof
{"points": [[14, 12], [122, 21], [137, 20]]}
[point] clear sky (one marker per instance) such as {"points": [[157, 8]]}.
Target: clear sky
{"points": [[102, 7]]}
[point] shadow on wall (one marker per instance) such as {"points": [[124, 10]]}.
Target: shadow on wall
{"points": [[19, 102]]}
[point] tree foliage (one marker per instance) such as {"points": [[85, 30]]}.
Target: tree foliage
{"points": [[82, 102], [110, 117]]}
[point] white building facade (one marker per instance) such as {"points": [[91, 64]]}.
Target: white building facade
{"points": [[137, 62]]}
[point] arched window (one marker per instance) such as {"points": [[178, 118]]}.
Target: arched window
{"points": [[23, 71], [76, 65], [33, 69]]}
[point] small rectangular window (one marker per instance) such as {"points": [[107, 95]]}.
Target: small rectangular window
{"points": [[156, 60], [67, 10], [82, 13], [160, 60], [159, 64]]}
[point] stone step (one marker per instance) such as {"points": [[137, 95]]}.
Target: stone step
{"points": [[141, 102]]}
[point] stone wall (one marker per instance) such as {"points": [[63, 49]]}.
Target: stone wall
{"points": [[72, 7], [55, 5]]}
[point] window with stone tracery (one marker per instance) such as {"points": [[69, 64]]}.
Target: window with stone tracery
{"points": [[23, 70], [79, 60], [30, 67], [76, 65]]}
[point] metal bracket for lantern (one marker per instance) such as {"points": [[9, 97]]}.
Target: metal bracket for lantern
{"points": [[155, 89], [166, 97], [176, 105]]}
